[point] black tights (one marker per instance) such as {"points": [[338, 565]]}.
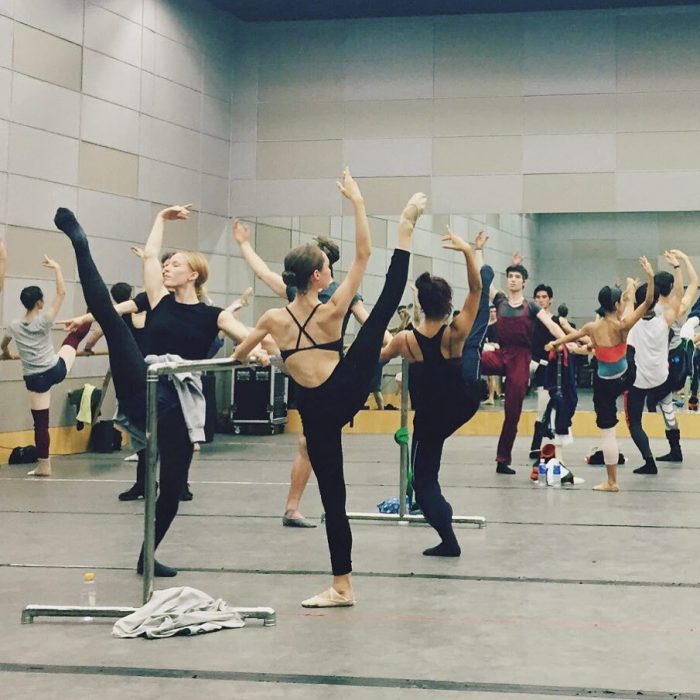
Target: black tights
{"points": [[426, 455], [129, 376], [327, 408]]}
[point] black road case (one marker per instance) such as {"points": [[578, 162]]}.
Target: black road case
{"points": [[258, 400]]}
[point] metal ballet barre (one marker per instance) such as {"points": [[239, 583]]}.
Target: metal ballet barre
{"points": [[267, 615], [402, 516]]}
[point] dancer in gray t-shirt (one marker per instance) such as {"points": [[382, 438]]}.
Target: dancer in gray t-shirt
{"points": [[42, 367]]}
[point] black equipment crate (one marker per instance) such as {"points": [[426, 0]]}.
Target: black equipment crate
{"points": [[258, 400]]}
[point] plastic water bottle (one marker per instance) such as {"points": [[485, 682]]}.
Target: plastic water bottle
{"points": [[556, 474], [542, 473], [88, 594]]}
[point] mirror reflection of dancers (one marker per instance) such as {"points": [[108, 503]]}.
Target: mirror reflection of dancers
{"points": [[441, 397], [516, 316], [608, 335], [178, 324], [650, 339], [42, 366], [333, 387]]}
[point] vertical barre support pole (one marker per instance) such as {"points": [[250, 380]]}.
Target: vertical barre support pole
{"points": [[403, 448], [149, 511]]}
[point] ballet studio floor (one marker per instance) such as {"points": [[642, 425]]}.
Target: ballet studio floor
{"points": [[565, 592]]}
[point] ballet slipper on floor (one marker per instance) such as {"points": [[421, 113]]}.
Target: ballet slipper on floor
{"points": [[43, 468], [605, 486], [328, 599]]}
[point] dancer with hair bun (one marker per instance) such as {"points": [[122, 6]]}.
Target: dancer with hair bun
{"points": [[441, 396], [332, 387], [614, 376]]}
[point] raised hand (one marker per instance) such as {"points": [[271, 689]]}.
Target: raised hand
{"points": [[51, 264], [679, 254], [176, 213], [451, 241], [516, 258], [72, 324], [241, 233], [646, 266], [671, 259], [480, 240], [348, 187]]}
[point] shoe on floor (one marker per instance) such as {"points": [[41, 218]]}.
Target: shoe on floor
{"points": [[503, 468], [132, 458], [328, 599], [132, 494], [186, 494], [296, 522]]}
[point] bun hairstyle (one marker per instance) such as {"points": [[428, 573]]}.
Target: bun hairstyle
{"points": [[434, 296], [330, 248], [300, 263], [29, 297], [607, 298], [563, 310]]}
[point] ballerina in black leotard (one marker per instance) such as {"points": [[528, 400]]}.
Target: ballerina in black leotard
{"points": [[442, 399]]}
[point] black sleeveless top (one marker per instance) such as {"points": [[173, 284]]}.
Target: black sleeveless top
{"points": [[441, 398], [335, 345]]}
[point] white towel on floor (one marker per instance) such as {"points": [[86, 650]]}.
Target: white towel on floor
{"points": [[178, 610]]}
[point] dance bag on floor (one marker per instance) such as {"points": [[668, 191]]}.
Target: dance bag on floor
{"points": [[23, 455], [596, 457], [105, 437]]}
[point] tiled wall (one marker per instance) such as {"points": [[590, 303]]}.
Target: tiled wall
{"points": [[579, 253], [540, 112], [117, 107], [507, 233], [113, 108]]}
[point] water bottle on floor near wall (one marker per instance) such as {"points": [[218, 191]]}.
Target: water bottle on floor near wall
{"points": [[88, 593]]}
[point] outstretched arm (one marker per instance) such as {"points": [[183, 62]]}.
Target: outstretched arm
{"points": [[253, 338], [363, 245], [396, 347], [479, 243], [123, 308], [552, 327], [628, 321], [152, 268], [241, 234], [464, 320], [53, 310], [569, 337], [692, 288]]}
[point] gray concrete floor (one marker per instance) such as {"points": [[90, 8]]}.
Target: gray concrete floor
{"points": [[565, 592]]}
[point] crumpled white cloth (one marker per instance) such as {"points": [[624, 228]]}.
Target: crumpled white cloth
{"points": [[178, 610]]}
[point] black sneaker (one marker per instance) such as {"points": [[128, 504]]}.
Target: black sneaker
{"points": [[133, 494]]}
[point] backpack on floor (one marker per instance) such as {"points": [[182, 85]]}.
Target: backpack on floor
{"points": [[105, 437], [23, 455], [596, 457]]}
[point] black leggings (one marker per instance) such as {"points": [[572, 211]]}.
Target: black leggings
{"points": [[325, 409], [129, 376], [426, 455]]}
